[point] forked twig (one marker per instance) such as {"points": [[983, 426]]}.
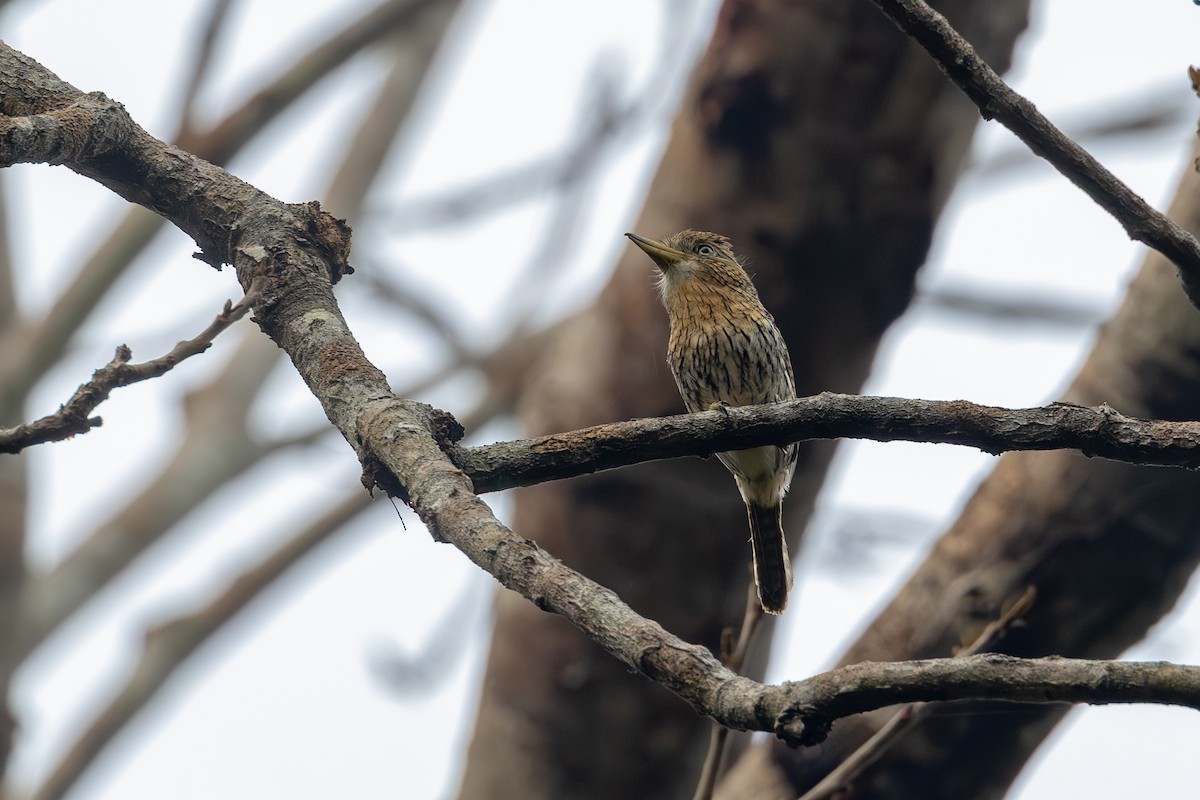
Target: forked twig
{"points": [[72, 417]]}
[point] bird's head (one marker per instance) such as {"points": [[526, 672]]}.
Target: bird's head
{"points": [[692, 260]]}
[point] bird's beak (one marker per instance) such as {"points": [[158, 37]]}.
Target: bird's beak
{"points": [[665, 257]]}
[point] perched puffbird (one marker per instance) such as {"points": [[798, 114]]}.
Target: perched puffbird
{"points": [[725, 349]]}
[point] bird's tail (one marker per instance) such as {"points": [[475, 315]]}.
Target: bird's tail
{"points": [[772, 567]]}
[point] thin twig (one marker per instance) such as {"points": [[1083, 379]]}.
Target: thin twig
{"points": [[996, 100], [712, 762], [733, 655], [908, 716], [72, 418]]}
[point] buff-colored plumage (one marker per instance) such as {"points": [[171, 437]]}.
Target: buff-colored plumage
{"points": [[725, 349]]}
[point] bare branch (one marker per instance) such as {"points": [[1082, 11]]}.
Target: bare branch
{"points": [[816, 703], [996, 100], [1146, 112], [217, 446], [205, 204], [1100, 431], [798, 713], [32, 349], [72, 417], [300, 252]]}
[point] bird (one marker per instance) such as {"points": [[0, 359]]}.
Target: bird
{"points": [[725, 350]]}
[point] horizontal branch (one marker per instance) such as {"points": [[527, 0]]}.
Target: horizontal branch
{"points": [[1099, 431], [808, 708], [996, 100], [73, 417]]}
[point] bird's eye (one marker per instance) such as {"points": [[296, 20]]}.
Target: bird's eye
{"points": [[706, 250]]}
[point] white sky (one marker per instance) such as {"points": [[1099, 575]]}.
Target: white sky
{"points": [[284, 703]]}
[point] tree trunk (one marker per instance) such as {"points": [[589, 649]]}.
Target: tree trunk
{"points": [[824, 144]]}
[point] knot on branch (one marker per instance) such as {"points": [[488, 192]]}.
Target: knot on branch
{"points": [[375, 473], [330, 235], [803, 726], [387, 420], [447, 430]]}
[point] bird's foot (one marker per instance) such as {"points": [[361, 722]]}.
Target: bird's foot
{"points": [[721, 406]]}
